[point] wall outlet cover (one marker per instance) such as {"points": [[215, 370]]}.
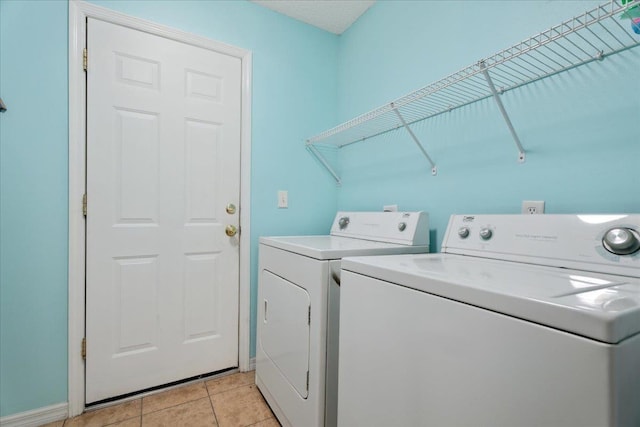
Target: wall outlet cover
{"points": [[532, 207]]}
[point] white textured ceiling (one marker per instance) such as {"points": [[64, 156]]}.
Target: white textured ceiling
{"points": [[331, 15]]}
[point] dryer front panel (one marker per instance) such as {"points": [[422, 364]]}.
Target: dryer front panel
{"points": [[285, 329]]}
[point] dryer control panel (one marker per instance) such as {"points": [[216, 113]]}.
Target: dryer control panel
{"points": [[405, 228], [603, 243]]}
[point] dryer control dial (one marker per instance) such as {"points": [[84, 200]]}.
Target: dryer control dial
{"points": [[486, 233], [402, 226], [621, 241], [463, 232], [343, 222]]}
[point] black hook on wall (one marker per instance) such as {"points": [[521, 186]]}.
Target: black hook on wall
{"points": [[3, 107]]}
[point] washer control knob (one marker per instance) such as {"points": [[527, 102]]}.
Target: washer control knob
{"points": [[463, 232], [486, 233], [343, 222], [402, 226], [621, 241]]}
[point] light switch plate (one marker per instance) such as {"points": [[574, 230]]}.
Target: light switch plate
{"points": [[283, 199]]}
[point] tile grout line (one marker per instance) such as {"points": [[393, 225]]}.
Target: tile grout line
{"points": [[64, 422], [215, 417], [142, 413], [173, 406], [222, 392], [229, 389], [268, 418], [123, 420], [249, 385]]}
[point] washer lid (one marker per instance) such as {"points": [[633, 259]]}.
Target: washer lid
{"points": [[599, 306], [335, 247]]}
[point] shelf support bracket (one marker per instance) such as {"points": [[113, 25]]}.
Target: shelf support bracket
{"points": [[434, 169], [505, 116], [318, 155]]}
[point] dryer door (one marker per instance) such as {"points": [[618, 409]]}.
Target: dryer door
{"points": [[285, 329]]}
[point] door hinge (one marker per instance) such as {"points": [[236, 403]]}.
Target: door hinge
{"points": [[85, 59], [83, 351], [84, 204], [309, 318]]}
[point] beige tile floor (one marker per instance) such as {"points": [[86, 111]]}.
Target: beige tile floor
{"points": [[230, 401]]}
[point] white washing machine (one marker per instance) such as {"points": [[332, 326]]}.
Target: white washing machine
{"points": [[520, 321], [298, 308]]}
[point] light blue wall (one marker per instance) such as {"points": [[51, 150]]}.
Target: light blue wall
{"points": [[580, 128], [33, 205], [294, 95]]}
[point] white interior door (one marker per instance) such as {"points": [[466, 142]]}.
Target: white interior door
{"points": [[163, 161]]}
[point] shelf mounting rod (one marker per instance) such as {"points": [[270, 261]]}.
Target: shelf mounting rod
{"points": [[434, 169], [496, 97], [318, 155]]}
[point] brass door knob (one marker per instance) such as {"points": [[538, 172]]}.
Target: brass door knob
{"points": [[231, 208], [231, 230]]}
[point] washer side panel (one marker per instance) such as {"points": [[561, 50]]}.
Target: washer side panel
{"points": [[411, 358]]}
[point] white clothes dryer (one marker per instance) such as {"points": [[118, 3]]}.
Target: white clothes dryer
{"points": [[522, 320], [298, 308]]}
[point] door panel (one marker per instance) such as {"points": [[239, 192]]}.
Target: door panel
{"points": [[163, 160], [201, 300], [136, 293], [201, 144], [136, 163]]}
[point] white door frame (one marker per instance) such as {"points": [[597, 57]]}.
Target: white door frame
{"points": [[78, 13]]}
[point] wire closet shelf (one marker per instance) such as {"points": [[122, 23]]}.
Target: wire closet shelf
{"points": [[591, 36]]}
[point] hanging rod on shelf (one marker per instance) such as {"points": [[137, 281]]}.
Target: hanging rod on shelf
{"points": [[591, 36]]}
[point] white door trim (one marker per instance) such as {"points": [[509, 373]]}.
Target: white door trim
{"points": [[78, 13]]}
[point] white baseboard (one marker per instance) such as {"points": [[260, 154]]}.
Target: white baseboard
{"points": [[252, 364], [36, 417]]}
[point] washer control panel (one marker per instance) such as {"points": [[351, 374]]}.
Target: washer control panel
{"points": [[604, 243]]}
